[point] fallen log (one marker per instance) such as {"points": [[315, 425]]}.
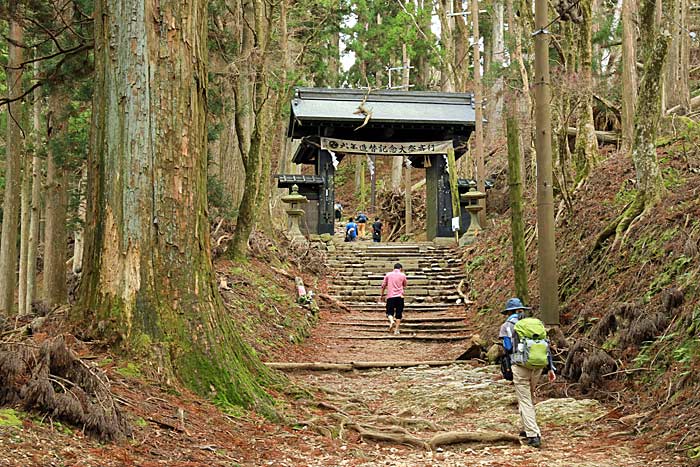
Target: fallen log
{"points": [[456, 437], [694, 104], [603, 136], [317, 366], [323, 366]]}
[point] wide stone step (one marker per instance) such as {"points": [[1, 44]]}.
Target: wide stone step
{"points": [[422, 328], [363, 304], [445, 294], [374, 272], [363, 282], [422, 337], [404, 330], [414, 317], [393, 259], [415, 285]]}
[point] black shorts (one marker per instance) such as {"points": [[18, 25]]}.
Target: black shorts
{"points": [[394, 307]]}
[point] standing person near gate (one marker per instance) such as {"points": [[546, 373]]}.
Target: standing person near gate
{"points": [[361, 220], [394, 284], [526, 345], [377, 230]]}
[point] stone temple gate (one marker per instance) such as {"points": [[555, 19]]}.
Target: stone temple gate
{"points": [[332, 123]]}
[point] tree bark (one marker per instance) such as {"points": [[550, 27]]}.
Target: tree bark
{"points": [[676, 85], [79, 234], [252, 100], [479, 112], [586, 151], [55, 290], [149, 286], [495, 105], [24, 234], [35, 208], [396, 172], [517, 223], [629, 73], [14, 148], [450, 46], [648, 110]]}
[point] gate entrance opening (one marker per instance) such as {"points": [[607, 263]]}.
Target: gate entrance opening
{"points": [[333, 123]]}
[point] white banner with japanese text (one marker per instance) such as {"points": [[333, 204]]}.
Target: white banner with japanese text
{"points": [[389, 149]]}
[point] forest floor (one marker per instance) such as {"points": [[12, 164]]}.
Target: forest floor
{"points": [[175, 428]]}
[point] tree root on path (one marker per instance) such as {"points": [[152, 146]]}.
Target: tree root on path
{"points": [[392, 429], [456, 437], [398, 438]]}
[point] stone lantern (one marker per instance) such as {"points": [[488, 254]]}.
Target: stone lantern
{"points": [[472, 200], [295, 212]]}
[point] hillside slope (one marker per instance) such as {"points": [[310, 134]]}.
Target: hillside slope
{"points": [[630, 309]]}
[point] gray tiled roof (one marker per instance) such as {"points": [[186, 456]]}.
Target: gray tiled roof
{"points": [[408, 107]]}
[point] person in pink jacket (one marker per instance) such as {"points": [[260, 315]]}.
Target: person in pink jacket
{"points": [[394, 284]]}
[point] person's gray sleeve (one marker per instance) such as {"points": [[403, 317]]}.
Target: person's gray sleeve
{"points": [[506, 330]]}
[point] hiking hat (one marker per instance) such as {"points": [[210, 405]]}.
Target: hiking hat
{"points": [[514, 304]]}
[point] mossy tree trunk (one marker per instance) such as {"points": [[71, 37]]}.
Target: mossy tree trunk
{"points": [[629, 72], [252, 124], [655, 40], [148, 281], [55, 290], [648, 110], [14, 147], [586, 151], [515, 185]]}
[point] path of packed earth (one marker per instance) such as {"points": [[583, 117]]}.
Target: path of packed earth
{"points": [[380, 416]]}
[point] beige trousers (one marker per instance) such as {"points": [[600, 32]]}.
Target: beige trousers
{"points": [[525, 380]]}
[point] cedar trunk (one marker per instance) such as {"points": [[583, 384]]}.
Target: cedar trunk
{"points": [[55, 290], [648, 110], [8, 240], [148, 282], [629, 73], [586, 151], [517, 224], [35, 208]]}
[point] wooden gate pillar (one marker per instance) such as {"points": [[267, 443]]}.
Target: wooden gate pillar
{"points": [[438, 201], [326, 195]]}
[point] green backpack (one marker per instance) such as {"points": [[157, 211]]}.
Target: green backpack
{"points": [[531, 346]]}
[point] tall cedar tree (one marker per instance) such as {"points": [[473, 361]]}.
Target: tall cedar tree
{"points": [[148, 281]]}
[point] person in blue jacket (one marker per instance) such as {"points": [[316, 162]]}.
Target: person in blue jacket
{"points": [[524, 379], [350, 230]]}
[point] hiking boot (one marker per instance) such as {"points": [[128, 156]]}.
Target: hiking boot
{"points": [[396, 331], [534, 441]]}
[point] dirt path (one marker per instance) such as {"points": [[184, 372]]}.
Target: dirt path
{"points": [[421, 402]]}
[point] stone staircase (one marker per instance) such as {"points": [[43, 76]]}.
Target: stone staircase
{"points": [[431, 311], [433, 273]]}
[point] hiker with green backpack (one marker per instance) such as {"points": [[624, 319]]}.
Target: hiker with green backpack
{"points": [[527, 350]]}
